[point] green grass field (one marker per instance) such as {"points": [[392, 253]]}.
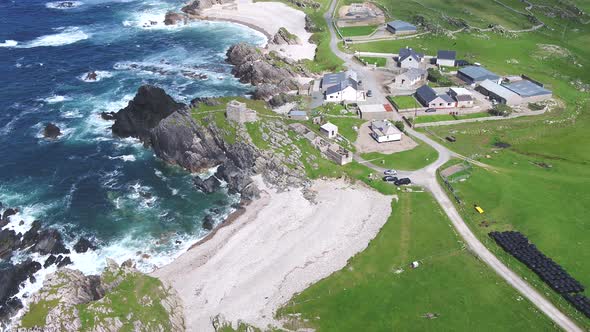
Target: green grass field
{"points": [[357, 31], [379, 62], [368, 294], [416, 158], [405, 102], [448, 117]]}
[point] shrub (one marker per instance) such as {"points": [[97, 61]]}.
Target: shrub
{"points": [[501, 110], [400, 125]]}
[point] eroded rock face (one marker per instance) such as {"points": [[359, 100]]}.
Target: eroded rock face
{"points": [[83, 245], [174, 18], [284, 37], [195, 7], [270, 73]]}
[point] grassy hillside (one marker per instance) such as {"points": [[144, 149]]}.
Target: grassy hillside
{"points": [[378, 291]]}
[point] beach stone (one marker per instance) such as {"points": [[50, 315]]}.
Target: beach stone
{"points": [[284, 37], [51, 131]]}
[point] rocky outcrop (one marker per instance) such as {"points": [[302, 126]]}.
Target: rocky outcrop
{"points": [[208, 185], [144, 112], [51, 131], [310, 25], [67, 292], [11, 277], [91, 76], [174, 18], [83, 245], [196, 6], [284, 37], [270, 73]]}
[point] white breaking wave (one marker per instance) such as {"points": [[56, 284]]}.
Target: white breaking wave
{"points": [[64, 37], [128, 157], [63, 4], [56, 99]]}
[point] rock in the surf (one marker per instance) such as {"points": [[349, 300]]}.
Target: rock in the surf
{"points": [[51, 131]]}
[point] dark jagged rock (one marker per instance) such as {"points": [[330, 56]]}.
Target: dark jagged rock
{"points": [[51, 131], [58, 259], [9, 241], [208, 222], [9, 212], [50, 242], [11, 278], [83, 245], [49, 261], [281, 99], [208, 185], [174, 18], [91, 76], [9, 308], [310, 26], [31, 237], [150, 105], [234, 176], [64, 262]]}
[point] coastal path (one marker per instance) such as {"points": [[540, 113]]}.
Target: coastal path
{"points": [[426, 177]]}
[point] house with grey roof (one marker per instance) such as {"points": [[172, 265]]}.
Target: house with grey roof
{"points": [[399, 27], [336, 78], [408, 58], [384, 131], [408, 79], [446, 58], [429, 98], [477, 74]]}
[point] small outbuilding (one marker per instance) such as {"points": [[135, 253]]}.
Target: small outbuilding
{"points": [[446, 58], [239, 112], [477, 74], [462, 96], [408, 79], [399, 27], [329, 130]]}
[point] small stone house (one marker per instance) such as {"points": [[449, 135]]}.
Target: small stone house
{"points": [[238, 112], [329, 130], [408, 79]]}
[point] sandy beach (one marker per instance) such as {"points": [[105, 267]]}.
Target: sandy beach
{"points": [[267, 17], [279, 246]]}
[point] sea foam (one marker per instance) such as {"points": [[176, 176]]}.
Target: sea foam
{"points": [[66, 36]]}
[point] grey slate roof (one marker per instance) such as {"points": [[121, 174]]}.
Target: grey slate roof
{"points": [[343, 85], [405, 53], [297, 113], [413, 73], [426, 93], [478, 74], [399, 25], [446, 55], [336, 78], [527, 88], [463, 98], [446, 98]]}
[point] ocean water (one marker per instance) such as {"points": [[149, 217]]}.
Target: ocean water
{"points": [[89, 183]]}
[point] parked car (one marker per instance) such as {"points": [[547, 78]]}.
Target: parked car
{"points": [[369, 93], [451, 138], [430, 110], [390, 172], [402, 181], [390, 179]]}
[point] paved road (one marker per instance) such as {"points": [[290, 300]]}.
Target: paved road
{"points": [[426, 177]]}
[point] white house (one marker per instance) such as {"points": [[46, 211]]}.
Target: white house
{"points": [[446, 58], [385, 131], [329, 130], [347, 90], [408, 58]]}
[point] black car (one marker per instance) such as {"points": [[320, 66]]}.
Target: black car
{"points": [[369, 93], [451, 138], [391, 179], [430, 110], [402, 181]]}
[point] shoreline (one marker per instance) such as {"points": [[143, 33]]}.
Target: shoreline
{"points": [[234, 21], [277, 246]]}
